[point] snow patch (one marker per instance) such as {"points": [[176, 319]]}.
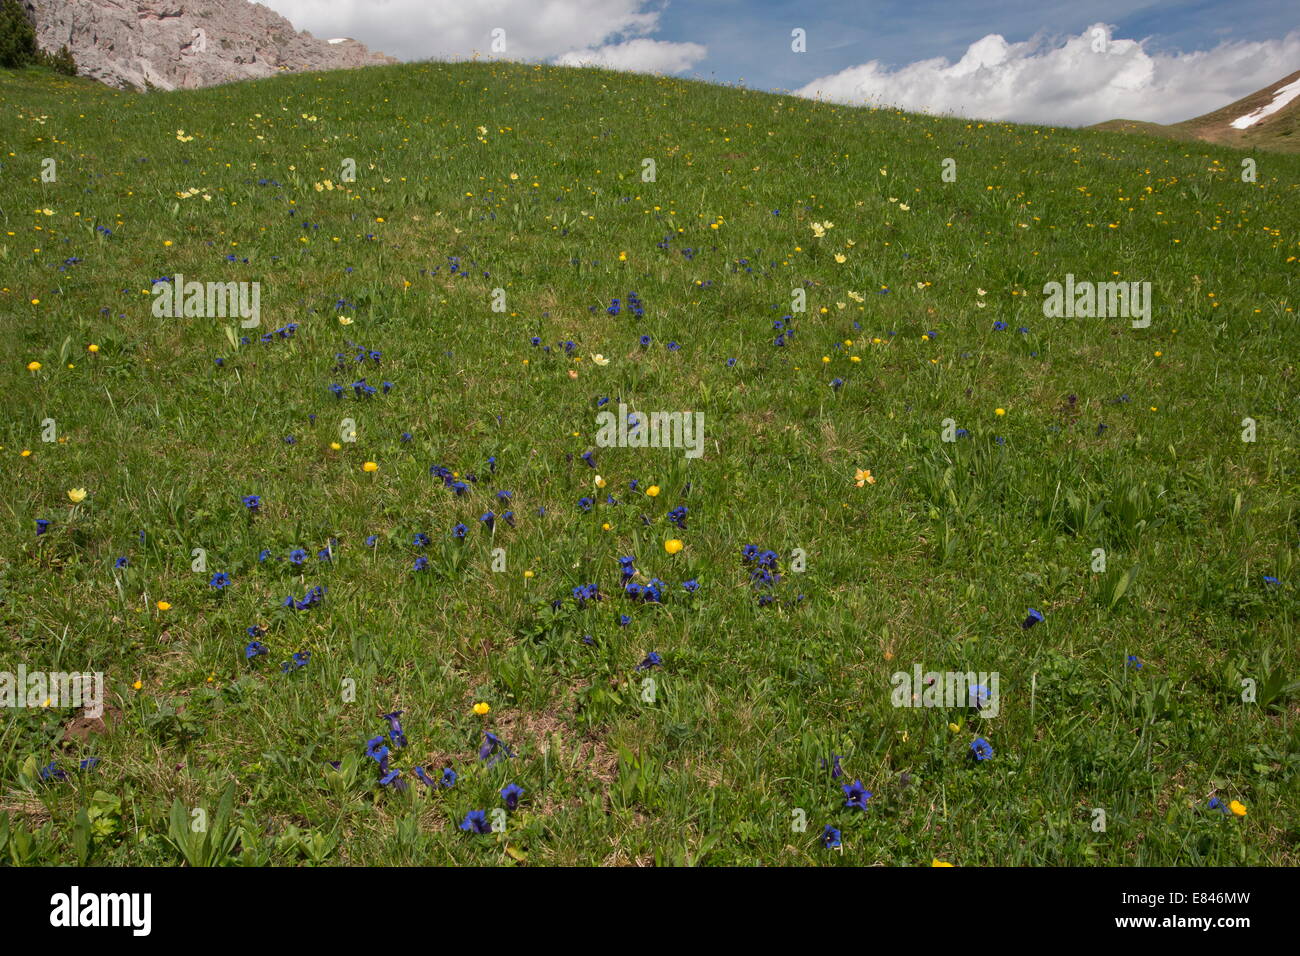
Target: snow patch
{"points": [[1280, 99]]}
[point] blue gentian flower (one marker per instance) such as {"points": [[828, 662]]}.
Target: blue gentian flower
{"points": [[494, 747], [511, 794], [981, 748], [855, 795], [651, 660], [1033, 618], [220, 580], [476, 822], [395, 732], [448, 777], [830, 837]]}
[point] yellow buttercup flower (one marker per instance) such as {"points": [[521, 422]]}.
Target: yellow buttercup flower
{"points": [[76, 495], [939, 863], [999, 411], [673, 545], [336, 446], [652, 491], [92, 347], [528, 574], [33, 366], [164, 606], [1238, 808], [482, 708], [370, 466], [137, 685]]}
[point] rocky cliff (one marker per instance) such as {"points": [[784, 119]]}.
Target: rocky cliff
{"points": [[174, 44]]}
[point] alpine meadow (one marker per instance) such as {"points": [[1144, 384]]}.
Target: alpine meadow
{"points": [[490, 463]]}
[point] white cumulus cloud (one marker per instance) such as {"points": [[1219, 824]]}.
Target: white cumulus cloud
{"points": [[1077, 81], [638, 56], [612, 33]]}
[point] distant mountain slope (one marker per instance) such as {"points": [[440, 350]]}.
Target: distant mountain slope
{"points": [[174, 44], [1267, 119]]}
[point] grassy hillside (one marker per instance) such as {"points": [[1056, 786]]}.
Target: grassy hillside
{"points": [[924, 303], [1278, 131]]}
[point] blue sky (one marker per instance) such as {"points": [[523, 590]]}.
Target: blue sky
{"points": [[751, 39], [1026, 60]]}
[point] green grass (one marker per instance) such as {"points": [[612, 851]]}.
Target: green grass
{"points": [[935, 563]]}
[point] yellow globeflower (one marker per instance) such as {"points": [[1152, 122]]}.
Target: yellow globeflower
{"points": [[673, 545], [482, 708], [653, 491], [76, 495], [370, 466]]}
